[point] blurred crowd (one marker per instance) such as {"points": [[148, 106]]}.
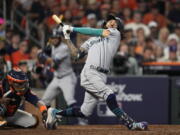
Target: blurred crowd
{"points": [[152, 30]]}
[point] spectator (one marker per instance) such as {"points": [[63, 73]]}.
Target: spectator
{"points": [[21, 54], [17, 5], [127, 15], [140, 43], [115, 8], [104, 11], [130, 40], [73, 7], [63, 5], [159, 53], [172, 40], [150, 43], [9, 34], [125, 64], [148, 55], [91, 20], [37, 12], [33, 57], [129, 37], [137, 23], [143, 7], [162, 37], [14, 46], [92, 7], [153, 26], [23, 65], [15, 40], [82, 17], [37, 15], [132, 4], [68, 17], [55, 9], [173, 57], [154, 15]]}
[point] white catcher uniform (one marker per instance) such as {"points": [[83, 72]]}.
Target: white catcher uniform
{"points": [[64, 77], [101, 51]]}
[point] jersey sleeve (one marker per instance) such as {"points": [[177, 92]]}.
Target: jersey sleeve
{"points": [[31, 97], [87, 44], [63, 53], [114, 32]]}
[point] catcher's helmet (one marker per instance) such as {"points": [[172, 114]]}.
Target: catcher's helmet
{"points": [[18, 81], [119, 21]]}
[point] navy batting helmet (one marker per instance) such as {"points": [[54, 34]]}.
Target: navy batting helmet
{"points": [[55, 33], [18, 81], [119, 21]]}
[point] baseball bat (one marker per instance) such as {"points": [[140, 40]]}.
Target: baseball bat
{"points": [[57, 19]]}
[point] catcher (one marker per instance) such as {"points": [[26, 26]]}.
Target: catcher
{"points": [[14, 91]]}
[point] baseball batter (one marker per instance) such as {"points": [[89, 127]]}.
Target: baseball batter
{"points": [[64, 77], [100, 50]]}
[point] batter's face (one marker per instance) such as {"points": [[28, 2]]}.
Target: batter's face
{"points": [[111, 24]]}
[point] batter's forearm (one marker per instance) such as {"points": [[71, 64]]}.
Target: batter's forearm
{"points": [[76, 53], [73, 49]]}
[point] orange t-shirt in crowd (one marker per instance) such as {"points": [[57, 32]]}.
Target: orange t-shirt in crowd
{"points": [[139, 49], [17, 56], [132, 4], [161, 20]]}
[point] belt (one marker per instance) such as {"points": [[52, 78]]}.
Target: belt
{"points": [[100, 69]]}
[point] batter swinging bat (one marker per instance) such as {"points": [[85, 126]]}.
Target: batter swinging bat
{"points": [[57, 19]]}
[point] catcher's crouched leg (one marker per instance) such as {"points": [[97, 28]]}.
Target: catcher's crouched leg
{"points": [[23, 119], [36, 121]]}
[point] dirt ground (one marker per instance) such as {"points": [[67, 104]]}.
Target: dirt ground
{"points": [[94, 130], [89, 130]]}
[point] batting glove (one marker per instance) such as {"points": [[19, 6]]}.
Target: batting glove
{"points": [[67, 29]]}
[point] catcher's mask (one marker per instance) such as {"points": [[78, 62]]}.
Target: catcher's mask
{"points": [[18, 81], [120, 23]]}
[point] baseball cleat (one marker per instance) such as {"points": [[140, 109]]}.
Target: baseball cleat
{"points": [[139, 126], [52, 120]]}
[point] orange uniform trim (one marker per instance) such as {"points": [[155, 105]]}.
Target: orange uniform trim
{"points": [[161, 64], [42, 108], [15, 80]]}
